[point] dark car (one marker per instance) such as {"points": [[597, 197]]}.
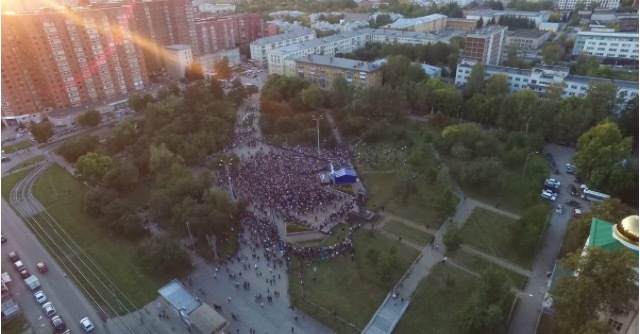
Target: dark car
{"points": [[573, 203], [58, 324], [3, 238], [24, 273], [5, 159], [573, 190]]}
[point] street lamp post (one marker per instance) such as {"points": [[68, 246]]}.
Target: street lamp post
{"points": [[526, 127], [191, 236], [526, 162], [317, 119], [514, 304], [226, 168]]}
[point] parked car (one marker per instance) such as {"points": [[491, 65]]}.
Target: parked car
{"points": [[548, 195], [24, 273], [42, 267], [40, 297], [86, 324], [49, 310], [576, 213], [2, 238], [573, 203], [13, 257], [58, 324], [559, 209], [552, 183]]}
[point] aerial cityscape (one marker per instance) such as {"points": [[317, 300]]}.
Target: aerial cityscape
{"points": [[320, 166]]}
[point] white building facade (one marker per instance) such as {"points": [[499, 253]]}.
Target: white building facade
{"points": [[261, 47], [571, 4], [540, 78], [606, 44], [178, 58]]}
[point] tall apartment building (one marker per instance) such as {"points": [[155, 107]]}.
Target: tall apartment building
{"points": [[606, 44], [178, 58], [228, 32], [68, 58], [571, 4], [540, 78], [259, 48], [485, 45]]}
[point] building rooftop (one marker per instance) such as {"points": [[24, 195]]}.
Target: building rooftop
{"points": [[409, 22], [178, 47], [607, 34], [179, 297], [283, 37], [486, 31], [527, 33], [344, 63], [403, 34]]}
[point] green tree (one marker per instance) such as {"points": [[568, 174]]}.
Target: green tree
{"points": [[238, 92], [475, 84], [193, 72], [139, 102], [163, 255], [453, 237], [91, 167], [312, 97], [341, 93], [398, 70], [552, 53], [446, 203], [223, 71], [485, 309], [578, 299], [602, 98], [75, 147], [121, 177], [91, 118], [628, 120], [498, 85], [602, 152], [41, 132], [480, 23]]}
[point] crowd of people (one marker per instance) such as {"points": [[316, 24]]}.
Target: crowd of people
{"points": [[286, 183]]}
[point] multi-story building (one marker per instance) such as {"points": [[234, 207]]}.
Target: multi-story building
{"points": [[429, 23], [571, 4], [260, 47], [487, 14], [208, 61], [178, 58], [485, 45], [68, 58], [606, 44], [228, 32], [540, 78], [280, 61], [461, 24], [323, 70], [525, 39], [28, 6]]}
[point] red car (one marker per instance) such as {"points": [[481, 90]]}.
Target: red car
{"points": [[25, 273], [42, 267]]}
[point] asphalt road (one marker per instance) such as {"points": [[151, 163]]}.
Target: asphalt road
{"points": [[526, 316], [67, 299]]}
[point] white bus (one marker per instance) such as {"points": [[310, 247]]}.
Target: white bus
{"points": [[594, 196]]}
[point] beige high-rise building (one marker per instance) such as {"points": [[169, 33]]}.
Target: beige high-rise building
{"points": [[66, 58]]}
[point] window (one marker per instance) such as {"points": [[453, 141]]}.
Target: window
{"points": [[615, 325]]}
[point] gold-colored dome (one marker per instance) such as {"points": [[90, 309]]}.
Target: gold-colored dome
{"points": [[627, 230]]}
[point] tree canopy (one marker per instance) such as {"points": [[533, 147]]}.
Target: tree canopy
{"points": [[41, 132], [91, 118]]}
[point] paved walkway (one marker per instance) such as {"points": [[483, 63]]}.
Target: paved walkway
{"points": [[501, 262]]}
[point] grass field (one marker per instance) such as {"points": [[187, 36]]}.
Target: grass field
{"points": [[489, 232], [435, 306], [9, 181], [27, 163], [337, 234], [416, 207], [407, 232], [63, 196], [352, 289], [15, 325], [479, 264], [17, 146]]}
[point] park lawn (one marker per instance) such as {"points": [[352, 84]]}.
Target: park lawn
{"points": [[352, 289], [416, 208], [408, 232], [435, 305], [17, 146], [478, 265], [338, 234], [27, 163], [396, 156], [489, 232], [15, 325], [62, 195], [10, 181], [511, 197]]}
